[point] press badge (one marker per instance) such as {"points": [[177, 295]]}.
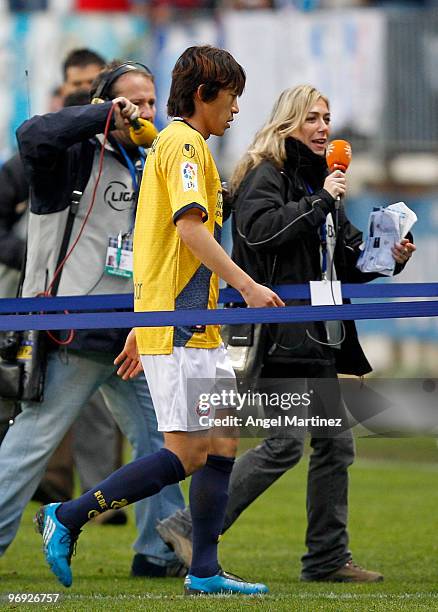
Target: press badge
{"points": [[325, 293], [329, 293], [119, 256]]}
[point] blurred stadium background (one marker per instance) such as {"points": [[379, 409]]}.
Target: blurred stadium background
{"points": [[376, 60], [378, 63]]}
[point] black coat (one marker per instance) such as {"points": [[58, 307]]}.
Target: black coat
{"points": [[276, 239], [14, 191]]}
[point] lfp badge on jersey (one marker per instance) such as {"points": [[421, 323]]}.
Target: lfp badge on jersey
{"points": [[189, 173]]}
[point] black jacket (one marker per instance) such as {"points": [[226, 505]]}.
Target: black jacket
{"points": [[14, 191], [276, 239], [54, 148]]}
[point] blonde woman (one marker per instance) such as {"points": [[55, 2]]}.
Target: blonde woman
{"points": [[291, 227]]}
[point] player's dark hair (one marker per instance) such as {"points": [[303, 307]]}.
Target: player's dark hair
{"points": [[80, 58], [213, 68]]}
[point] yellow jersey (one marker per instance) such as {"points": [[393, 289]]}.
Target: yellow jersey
{"points": [[179, 174]]}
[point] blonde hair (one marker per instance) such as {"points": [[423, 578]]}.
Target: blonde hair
{"points": [[287, 116]]}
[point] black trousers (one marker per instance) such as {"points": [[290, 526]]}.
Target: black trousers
{"points": [[327, 481]]}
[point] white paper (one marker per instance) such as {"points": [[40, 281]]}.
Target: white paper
{"points": [[407, 216], [386, 226]]}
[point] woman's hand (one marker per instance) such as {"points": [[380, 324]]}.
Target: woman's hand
{"points": [[402, 251], [336, 184], [129, 359]]}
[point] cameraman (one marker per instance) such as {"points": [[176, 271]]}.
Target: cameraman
{"points": [[61, 154]]}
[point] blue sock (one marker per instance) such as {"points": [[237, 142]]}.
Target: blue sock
{"points": [[141, 478], [208, 500]]}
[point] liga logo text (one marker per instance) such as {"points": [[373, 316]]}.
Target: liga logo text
{"points": [[229, 398]]}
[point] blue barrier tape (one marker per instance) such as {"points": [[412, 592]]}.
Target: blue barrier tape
{"points": [[391, 310], [125, 301], [79, 302]]}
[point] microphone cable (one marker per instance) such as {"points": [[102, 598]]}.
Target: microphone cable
{"points": [[47, 292]]}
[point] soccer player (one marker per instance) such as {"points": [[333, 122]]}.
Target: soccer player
{"points": [[177, 262]]}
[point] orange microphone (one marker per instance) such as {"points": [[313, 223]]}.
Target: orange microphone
{"points": [[338, 154]]}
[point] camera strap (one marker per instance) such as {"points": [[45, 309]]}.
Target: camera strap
{"points": [[82, 176]]}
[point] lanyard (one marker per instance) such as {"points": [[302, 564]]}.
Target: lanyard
{"points": [[131, 167], [135, 176], [323, 234], [323, 239]]}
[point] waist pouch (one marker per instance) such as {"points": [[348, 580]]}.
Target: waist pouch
{"points": [[246, 347], [23, 357]]}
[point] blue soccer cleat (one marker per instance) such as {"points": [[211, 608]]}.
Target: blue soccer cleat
{"points": [[222, 583], [58, 540]]}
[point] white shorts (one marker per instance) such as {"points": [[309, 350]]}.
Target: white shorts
{"points": [[182, 383]]}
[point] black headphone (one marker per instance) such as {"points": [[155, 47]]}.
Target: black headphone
{"points": [[103, 88]]}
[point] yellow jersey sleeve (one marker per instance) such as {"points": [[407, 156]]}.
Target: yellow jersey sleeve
{"points": [[185, 174]]}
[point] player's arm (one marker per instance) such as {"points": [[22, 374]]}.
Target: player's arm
{"points": [[204, 247], [129, 359]]}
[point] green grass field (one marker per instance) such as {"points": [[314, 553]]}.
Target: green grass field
{"points": [[393, 520]]}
